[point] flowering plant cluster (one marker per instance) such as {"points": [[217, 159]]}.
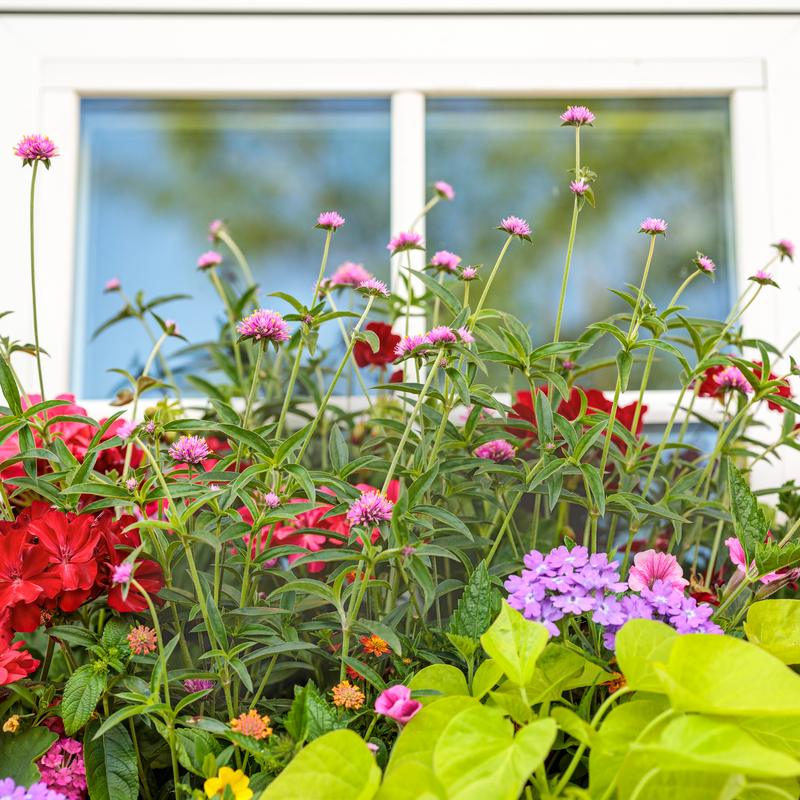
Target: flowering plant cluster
{"points": [[285, 593]]}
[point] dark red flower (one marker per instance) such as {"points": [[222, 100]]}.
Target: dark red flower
{"points": [[385, 353], [397, 376], [783, 390], [709, 387]]}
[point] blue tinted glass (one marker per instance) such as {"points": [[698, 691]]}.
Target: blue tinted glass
{"points": [[667, 158], [154, 173]]}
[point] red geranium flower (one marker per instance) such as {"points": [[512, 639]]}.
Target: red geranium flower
{"points": [[783, 390], [385, 353], [16, 664]]}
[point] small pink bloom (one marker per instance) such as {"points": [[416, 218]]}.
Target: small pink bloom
{"points": [[577, 116], [125, 431], [468, 274], [396, 703], [172, 327], [131, 484], [514, 226], [264, 324], [441, 335], [405, 240], [762, 275], [209, 259], [215, 228], [732, 378], [349, 274], [407, 344], [36, 148], [112, 285], [122, 573], [737, 557], [465, 336], [446, 261], [579, 187], [654, 227], [374, 287], [190, 450], [705, 263], [786, 249], [444, 190], [651, 566], [329, 221], [497, 451], [271, 500], [370, 509]]}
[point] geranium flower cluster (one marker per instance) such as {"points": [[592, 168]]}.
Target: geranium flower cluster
{"points": [[572, 582]]}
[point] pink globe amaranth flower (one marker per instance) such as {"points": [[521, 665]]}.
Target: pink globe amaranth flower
{"points": [[468, 274], [122, 573], [704, 263], [444, 190], [568, 365], [785, 248], [172, 327], [396, 703], [514, 226], [373, 287], [209, 259], [329, 221], [405, 240], [349, 274], [655, 227], [497, 451], [264, 324], [579, 187], [577, 116], [271, 500], [215, 228], [762, 275], [465, 336], [446, 261], [125, 431], [112, 285], [131, 484], [36, 148], [370, 509], [408, 343], [150, 428], [732, 378], [441, 335], [189, 450], [198, 685], [650, 566]]}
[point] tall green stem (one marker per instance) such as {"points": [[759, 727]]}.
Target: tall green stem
{"points": [[33, 290], [289, 389], [226, 237], [232, 319], [318, 284], [486, 288], [251, 397]]}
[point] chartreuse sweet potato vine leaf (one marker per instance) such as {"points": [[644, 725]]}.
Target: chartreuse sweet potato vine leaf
{"points": [[515, 643], [412, 781], [441, 678], [774, 625], [641, 643]]}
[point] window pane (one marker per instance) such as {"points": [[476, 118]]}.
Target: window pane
{"points": [[155, 173], [667, 158]]}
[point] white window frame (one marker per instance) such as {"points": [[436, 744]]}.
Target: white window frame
{"points": [[49, 61]]}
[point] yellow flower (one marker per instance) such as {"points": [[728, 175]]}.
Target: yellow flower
{"points": [[11, 724], [238, 782]]}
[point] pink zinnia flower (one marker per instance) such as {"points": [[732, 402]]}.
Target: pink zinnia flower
{"points": [[349, 274], [112, 285], [36, 148], [736, 552], [329, 221], [468, 274], [125, 431], [122, 573], [209, 259], [441, 336], [407, 344], [396, 703], [762, 275], [264, 324], [370, 509], [465, 336], [577, 116], [271, 500], [514, 226], [445, 260], [444, 190], [786, 249], [497, 451], [705, 263], [214, 229], [405, 240], [374, 287], [650, 566], [732, 378], [190, 450], [579, 187], [654, 227], [131, 484]]}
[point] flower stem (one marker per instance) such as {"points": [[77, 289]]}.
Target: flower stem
{"points": [[486, 288], [611, 418], [236, 354], [289, 389], [662, 443], [263, 684], [33, 291], [408, 293], [251, 397], [226, 237], [637, 310], [318, 284]]}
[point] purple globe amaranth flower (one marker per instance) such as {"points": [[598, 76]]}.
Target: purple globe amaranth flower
{"points": [[329, 221], [731, 377], [441, 335], [579, 187], [497, 451], [122, 573], [131, 484], [577, 116], [36, 148], [38, 791], [349, 274], [125, 431], [408, 343], [264, 324], [150, 428], [469, 274], [785, 248], [465, 335], [370, 509], [209, 260], [190, 450], [405, 240], [215, 229], [198, 685], [514, 226], [112, 285], [655, 227], [568, 365], [762, 276], [373, 288], [271, 500], [444, 190], [445, 261]]}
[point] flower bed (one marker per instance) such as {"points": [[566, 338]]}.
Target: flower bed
{"points": [[442, 597]]}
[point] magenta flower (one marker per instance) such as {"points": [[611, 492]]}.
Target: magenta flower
{"points": [[736, 552], [329, 221], [373, 287], [785, 248], [271, 500], [514, 226], [172, 327], [497, 451], [150, 428], [405, 240], [468, 274], [408, 343], [762, 276], [441, 336], [579, 187], [370, 509], [122, 573], [63, 773], [198, 685], [349, 274], [577, 116], [40, 790], [215, 228], [36, 148], [190, 450], [654, 227], [650, 566], [732, 378], [465, 336], [444, 190], [396, 703], [264, 324], [705, 264], [125, 431], [446, 261], [568, 365], [209, 259], [112, 285], [131, 484]]}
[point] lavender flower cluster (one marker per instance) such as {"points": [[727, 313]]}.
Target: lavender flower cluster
{"points": [[573, 582]]}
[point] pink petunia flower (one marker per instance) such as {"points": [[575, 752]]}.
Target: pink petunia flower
{"points": [[650, 566], [396, 703], [736, 552]]}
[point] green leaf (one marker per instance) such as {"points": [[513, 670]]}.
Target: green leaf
{"points": [[442, 678], [300, 474], [445, 517], [81, 695], [214, 617], [465, 645], [641, 778], [445, 295], [595, 484], [9, 388], [515, 643], [337, 447], [666, 347], [770, 557], [624, 364], [75, 635], [544, 416], [297, 720], [111, 770], [486, 677], [412, 781], [577, 728], [473, 615], [640, 644], [18, 751], [749, 521], [291, 443], [336, 766], [422, 484], [322, 717], [774, 625]]}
